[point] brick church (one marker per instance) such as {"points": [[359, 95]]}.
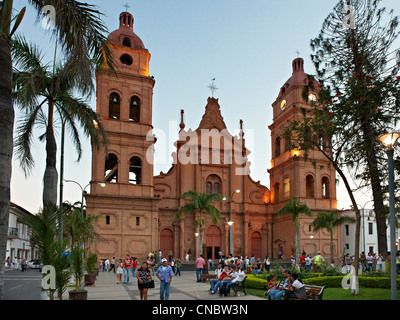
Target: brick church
{"points": [[137, 208]]}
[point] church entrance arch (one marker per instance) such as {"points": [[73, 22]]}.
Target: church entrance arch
{"points": [[213, 242], [256, 241], [166, 241]]}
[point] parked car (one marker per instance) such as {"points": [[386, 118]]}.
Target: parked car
{"points": [[35, 264]]}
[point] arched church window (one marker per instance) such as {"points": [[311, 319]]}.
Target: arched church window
{"points": [[213, 184], [310, 186], [286, 188], [208, 187], [287, 145], [277, 147], [276, 192], [135, 170], [114, 106], [111, 168], [126, 42], [325, 188], [216, 187], [134, 109]]}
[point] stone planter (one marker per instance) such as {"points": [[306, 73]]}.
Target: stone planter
{"points": [[78, 295], [90, 279]]}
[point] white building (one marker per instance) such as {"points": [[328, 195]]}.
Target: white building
{"points": [[18, 236], [368, 233]]}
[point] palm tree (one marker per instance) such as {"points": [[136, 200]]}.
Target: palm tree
{"points": [[83, 36], [44, 231], [330, 220], [38, 86], [295, 208], [7, 29], [77, 227], [201, 202]]}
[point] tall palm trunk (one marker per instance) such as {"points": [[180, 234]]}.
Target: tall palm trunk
{"points": [[332, 247], [50, 178], [201, 235], [6, 147], [297, 244]]}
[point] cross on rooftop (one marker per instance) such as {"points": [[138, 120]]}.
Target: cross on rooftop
{"points": [[212, 87], [127, 6]]}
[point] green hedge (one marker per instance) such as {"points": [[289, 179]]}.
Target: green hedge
{"points": [[256, 283], [329, 282]]}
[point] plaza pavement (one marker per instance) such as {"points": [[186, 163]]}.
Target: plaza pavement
{"points": [[183, 287]]}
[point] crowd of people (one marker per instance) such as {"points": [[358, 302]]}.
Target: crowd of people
{"points": [[292, 287], [370, 262], [230, 271], [154, 265]]}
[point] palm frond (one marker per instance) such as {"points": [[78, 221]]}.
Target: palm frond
{"points": [[23, 140]]}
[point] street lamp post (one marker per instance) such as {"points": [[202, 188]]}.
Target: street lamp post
{"points": [[389, 140], [82, 191], [312, 253], [197, 238], [230, 222]]}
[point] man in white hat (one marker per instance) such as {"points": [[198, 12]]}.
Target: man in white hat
{"points": [[164, 273]]}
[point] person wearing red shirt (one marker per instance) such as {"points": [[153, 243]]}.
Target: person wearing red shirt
{"points": [[302, 261], [223, 275], [127, 268], [134, 267]]}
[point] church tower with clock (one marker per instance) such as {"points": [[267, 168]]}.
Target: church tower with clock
{"points": [[310, 181], [126, 206]]}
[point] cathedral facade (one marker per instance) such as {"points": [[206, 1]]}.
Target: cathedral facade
{"points": [[137, 209]]}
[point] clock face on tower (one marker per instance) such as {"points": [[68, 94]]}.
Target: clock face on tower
{"points": [[283, 104]]}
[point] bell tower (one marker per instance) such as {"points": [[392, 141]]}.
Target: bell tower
{"points": [[122, 174], [310, 181]]}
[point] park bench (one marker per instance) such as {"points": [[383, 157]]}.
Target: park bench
{"points": [[208, 277], [314, 292], [240, 286]]}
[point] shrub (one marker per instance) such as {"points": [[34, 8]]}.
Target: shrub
{"points": [[256, 282], [364, 282]]}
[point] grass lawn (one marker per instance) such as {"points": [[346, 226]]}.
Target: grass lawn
{"points": [[343, 294]]}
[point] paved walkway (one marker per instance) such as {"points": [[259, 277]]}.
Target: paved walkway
{"points": [[183, 287]]}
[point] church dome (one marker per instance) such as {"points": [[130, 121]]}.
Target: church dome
{"points": [[124, 36]]}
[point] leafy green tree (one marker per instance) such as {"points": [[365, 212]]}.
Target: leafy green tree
{"points": [[77, 227], [44, 233], [358, 69], [295, 209], [202, 203], [80, 31], [329, 221], [8, 26], [37, 86]]}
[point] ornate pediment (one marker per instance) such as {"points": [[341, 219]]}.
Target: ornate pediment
{"points": [[212, 117]]}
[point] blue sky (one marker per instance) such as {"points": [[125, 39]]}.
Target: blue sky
{"points": [[248, 46]]}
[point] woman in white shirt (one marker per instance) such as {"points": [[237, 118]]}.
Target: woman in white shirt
{"points": [[237, 276], [379, 262], [296, 288]]}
